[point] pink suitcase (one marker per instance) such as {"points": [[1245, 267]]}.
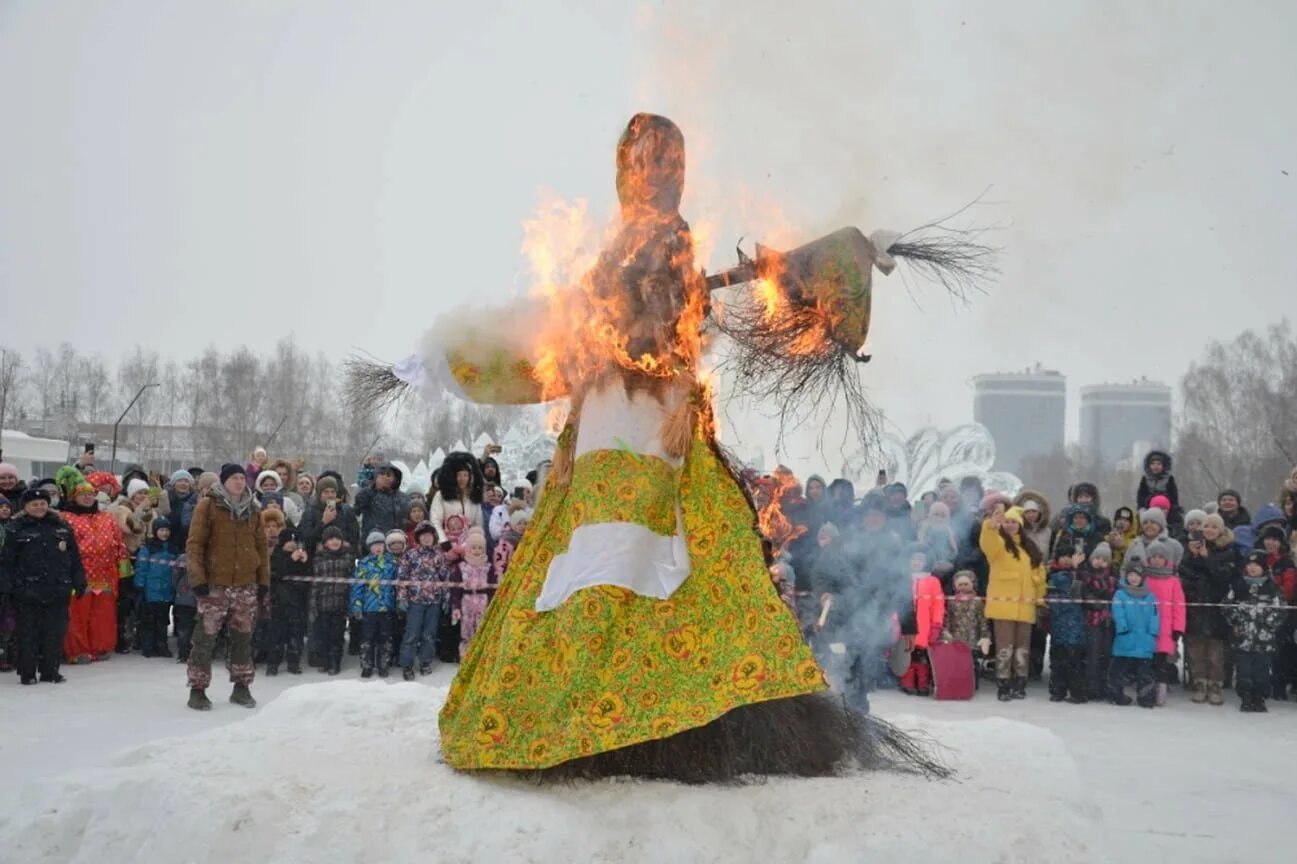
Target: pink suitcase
{"points": [[952, 670]]}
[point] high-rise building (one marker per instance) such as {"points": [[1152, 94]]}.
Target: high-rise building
{"points": [[1118, 419], [1025, 412]]}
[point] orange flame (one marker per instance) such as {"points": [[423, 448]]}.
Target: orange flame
{"points": [[773, 494]]}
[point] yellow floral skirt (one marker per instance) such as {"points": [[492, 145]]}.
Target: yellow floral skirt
{"points": [[610, 668]]}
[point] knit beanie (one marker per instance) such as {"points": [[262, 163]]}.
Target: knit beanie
{"points": [[4, 502], [1014, 514], [1258, 557], [331, 532], [1157, 549], [396, 535], [1215, 520], [375, 537], [207, 480], [182, 477], [1153, 514], [1195, 516], [965, 576], [135, 487], [230, 469], [9, 469], [1102, 552], [1031, 505], [939, 509], [1161, 502]]}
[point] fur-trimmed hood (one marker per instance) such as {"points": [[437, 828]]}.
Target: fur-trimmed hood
{"points": [[1031, 495]]}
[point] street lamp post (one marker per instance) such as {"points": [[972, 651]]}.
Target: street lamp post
{"points": [[113, 468]]}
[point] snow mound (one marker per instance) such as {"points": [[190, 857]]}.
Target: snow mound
{"points": [[347, 771]]}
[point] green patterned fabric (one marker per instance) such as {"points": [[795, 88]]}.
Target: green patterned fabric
{"points": [[609, 668]]}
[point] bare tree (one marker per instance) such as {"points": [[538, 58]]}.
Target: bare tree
{"points": [[11, 362], [1238, 425]]}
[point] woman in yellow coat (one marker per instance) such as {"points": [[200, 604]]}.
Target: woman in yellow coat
{"points": [[1016, 587]]}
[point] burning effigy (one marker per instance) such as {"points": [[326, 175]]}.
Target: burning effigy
{"points": [[637, 631]]}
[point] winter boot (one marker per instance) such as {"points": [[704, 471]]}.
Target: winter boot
{"points": [[56, 678], [1019, 689], [366, 660], [1121, 699], [1199, 692], [1055, 696], [1160, 697], [425, 668], [1246, 705], [198, 699], [241, 696], [1077, 699], [1214, 696], [1279, 691], [28, 680], [384, 660], [272, 669], [294, 665], [164, 651], [1003, 689], [408, 673]]}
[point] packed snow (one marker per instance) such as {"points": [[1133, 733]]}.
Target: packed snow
{"points": [[111, 767]]}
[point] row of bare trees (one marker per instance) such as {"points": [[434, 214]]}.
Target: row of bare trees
{"points": [[219, 405]]}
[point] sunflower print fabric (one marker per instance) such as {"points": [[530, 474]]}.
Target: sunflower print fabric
{"points": [[610, 668]]}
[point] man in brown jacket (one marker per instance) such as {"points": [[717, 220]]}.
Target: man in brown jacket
{"points": [[229, 570]]}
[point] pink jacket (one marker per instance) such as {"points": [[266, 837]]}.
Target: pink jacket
{"points": [[929, 610], [1170, 609]]}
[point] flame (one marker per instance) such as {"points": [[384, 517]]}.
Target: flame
{"points": [[773, 493]]}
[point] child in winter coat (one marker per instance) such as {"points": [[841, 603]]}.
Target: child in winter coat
{"points": [[1158, 480], [509, 539], [184, 610], [1136, 622], [1161, 578], [1273, 541], [425, 567], [155, 583], [924, 624], [334, 564], [1063, 590], [966, 615], [373, 599], [1256, 619], [1098, 584], [936, 535], [477, 585], [289, 600]]}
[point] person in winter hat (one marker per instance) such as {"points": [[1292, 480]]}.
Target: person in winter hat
{"points": [[923, 623], [181, 497], [460, 490], [1209, 566], [92, 629], [40, 569], [1063, 592], [1017, 582], [1162, 579], [1124, 531], [1152, 526], [155, 583], [10, 485], [7, 615], [1084, 493], [937, 536], [966, 615], [134, 512], [1256, 616], [1137, 624], [1158, 480], [373, 599], [229, 571], [1232, 509], [1272, 539], [509, 541], [290, 568], [382, 506], [270, 487], [424, 593], [1099, 581], [334, 564], [329, 508], [477, 586]]}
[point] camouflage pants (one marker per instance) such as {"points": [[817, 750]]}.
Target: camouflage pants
{"points": [[236, 606]]}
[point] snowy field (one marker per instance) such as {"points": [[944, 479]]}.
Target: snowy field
{"points": [[111, 767]]}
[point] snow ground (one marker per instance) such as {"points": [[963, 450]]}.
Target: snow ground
{"points": [[112, 767]]}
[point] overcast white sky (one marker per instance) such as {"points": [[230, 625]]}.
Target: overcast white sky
{"points": [[184, 174]]}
